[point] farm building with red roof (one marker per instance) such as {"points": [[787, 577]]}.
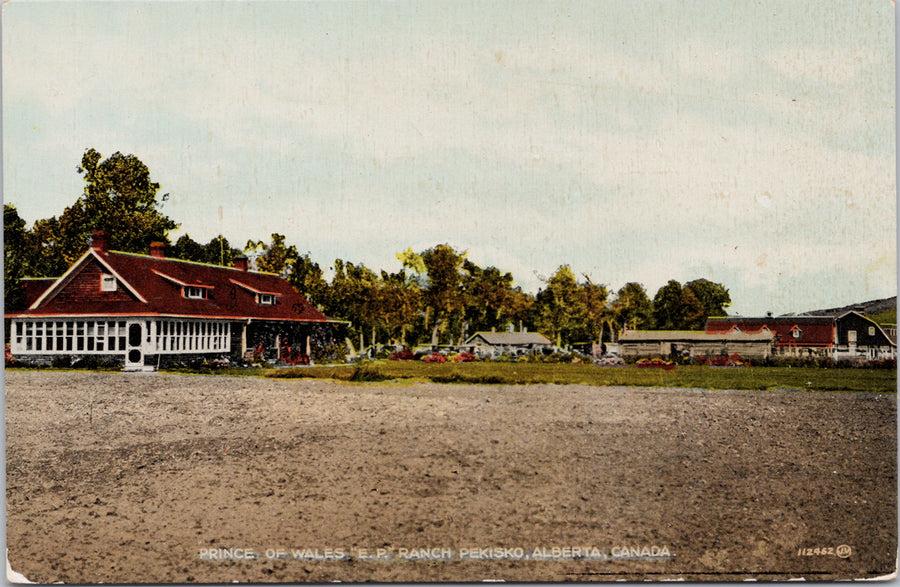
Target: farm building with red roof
{"points": [[145, 311], [806, 336], [847, 336]]}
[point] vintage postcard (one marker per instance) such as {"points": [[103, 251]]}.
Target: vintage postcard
{"points": [[416, 291]]}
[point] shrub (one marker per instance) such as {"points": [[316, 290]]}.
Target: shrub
{"points": [[382, 352], [465, 357], [61, 362], [95, 364], [435, 358], [330, 351], [293, 356], [402, 355], [10, 361], [799, 362], [556, 357], [884, 364]]}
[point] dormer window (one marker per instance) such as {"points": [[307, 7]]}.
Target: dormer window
{"points": [[797, 333], [194, 293], [263, 298], [107, 283], [189, 291]]}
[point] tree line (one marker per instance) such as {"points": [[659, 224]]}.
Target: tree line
{"points": [[439, 296]]}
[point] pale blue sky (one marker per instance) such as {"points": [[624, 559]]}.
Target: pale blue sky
{"points": [[750, 143]]}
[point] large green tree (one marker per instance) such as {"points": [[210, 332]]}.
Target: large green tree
{"points": [[274, 257], [187, 249], [632, 308], [218, 251], [307, 278], [599, 320], [488, 297], [14, 260], [443, 295], [356, 296], [401, 305], [675, 308], [118, 197], [714, 297], [562, 312]]}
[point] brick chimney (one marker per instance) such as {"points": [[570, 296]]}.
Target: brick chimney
{"points": [[100, 241], [242, 263], [158, 250]]}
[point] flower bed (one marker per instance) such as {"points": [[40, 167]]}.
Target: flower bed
{"points": [[655, 364], [402, 355]]}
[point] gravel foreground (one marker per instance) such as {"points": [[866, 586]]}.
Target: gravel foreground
{"points": [[166, 478]]}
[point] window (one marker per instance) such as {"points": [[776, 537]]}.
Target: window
{"points": [[798, 333], [871, 331], [266, 299], [194, 293], [107, 283]]}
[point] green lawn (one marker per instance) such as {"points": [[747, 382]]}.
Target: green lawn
{"points": [[752, 378]]}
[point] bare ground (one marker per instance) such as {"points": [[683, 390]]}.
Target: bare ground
{"points": [[131, 478]]}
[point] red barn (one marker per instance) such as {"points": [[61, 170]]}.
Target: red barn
{"points": [[795, 336], [849, 335], [145, 311]]}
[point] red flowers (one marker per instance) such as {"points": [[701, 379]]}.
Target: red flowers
{"points": [[402, 355]]}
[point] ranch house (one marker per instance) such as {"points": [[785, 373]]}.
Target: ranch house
{"points": [[146, 311]]}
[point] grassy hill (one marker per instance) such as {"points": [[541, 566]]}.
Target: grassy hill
{"points": [[883, 311]]}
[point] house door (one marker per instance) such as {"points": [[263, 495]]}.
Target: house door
{"points": [[134, 349]]}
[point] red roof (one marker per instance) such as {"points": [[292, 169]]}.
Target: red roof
{"points": [[810, 330], [32, 288], [148, 285]]}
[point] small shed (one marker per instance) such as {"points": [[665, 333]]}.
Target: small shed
{"points": [[664, 343], [486, 343]]}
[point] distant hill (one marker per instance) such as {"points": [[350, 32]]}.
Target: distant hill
{"points": [[883, 311]]}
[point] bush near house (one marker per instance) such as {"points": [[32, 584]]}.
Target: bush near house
{"points": [[293, 356]]}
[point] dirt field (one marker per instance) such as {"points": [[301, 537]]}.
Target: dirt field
{"points": [[143, 477]]}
